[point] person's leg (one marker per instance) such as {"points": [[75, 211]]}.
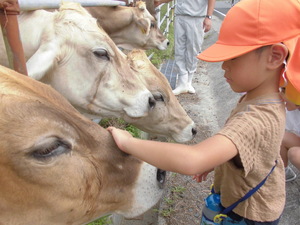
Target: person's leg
{"points": [[289, 140], [193, 48], [250, 222], [235, 219], [294, 156], [180, 39]]}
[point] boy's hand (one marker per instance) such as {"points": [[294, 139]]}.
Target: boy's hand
{"points": [[201, 177], [120, 137]]}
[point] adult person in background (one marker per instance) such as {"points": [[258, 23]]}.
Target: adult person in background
{"points": [[290, 147], [192, 20]]}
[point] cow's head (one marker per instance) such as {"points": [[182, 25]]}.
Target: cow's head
{"points": [[155, 38], [131, 27], [168, 118], [76, 57], [150, 35], [57, 167]]}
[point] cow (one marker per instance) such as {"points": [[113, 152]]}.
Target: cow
{"points": [[68, 50], [95, 77], [58, 167], [170, 117], [130, 27]]}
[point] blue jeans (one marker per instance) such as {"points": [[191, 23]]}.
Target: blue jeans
{"points": [[233, 218]]}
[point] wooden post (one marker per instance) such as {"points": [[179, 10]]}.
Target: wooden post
{"points": [[9, 9]]}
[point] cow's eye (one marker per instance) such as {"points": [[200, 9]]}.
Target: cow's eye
{"points": [[101, 53], [50, 149], [152, 25], [159, 97]]}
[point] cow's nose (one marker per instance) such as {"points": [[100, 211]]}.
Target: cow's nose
{"points": [[194, 131], [161, 177], [168, 43], [152, 102]]}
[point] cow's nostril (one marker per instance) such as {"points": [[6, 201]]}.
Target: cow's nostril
{"points": [[194, 131], [161, 177], [152, 102]]}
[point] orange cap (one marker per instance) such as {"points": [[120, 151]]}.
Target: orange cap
{"points": [[292, 88], [251, 24]]}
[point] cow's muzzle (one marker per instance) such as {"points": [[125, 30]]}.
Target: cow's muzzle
{"points": [[161, 177]]}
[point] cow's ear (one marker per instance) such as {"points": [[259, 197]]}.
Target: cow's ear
{"points": [[144, 25], [42, 60]]}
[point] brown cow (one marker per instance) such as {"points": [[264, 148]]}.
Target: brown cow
{"points": [[170, 119], [58, 167], [130, 27], [68, 50]]}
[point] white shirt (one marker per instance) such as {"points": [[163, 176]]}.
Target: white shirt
{"points": [[293, 121]]}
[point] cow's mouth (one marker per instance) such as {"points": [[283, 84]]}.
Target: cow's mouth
{"points": [[160, 177]]}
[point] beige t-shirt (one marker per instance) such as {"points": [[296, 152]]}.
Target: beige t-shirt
{"points": [[256, 128]]}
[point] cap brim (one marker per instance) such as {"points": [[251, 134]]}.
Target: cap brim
{"points": [[218, 52], [293, 69]]}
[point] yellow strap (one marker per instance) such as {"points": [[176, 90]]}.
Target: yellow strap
{"points": [[218, 218], [211, 187]]}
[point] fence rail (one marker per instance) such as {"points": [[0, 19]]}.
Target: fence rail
{"points": [[168, 17]]}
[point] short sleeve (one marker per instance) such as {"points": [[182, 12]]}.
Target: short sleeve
{"points": [[245, 131]]}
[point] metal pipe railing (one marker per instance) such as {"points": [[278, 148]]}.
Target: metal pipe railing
{"points": [[54, 4]]}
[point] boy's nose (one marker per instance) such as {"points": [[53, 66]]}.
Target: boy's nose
{"points": [[225, 65]]}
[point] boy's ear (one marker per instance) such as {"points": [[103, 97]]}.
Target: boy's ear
{"points": [[278, 53]]}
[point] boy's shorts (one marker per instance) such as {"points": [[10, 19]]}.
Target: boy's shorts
{"points": [[234, 219]]}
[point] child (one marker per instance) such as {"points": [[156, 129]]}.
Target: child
{"points": [[251, 45], [290, 146]]}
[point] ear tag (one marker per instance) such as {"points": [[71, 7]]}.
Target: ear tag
{"points": [[143, 31]]}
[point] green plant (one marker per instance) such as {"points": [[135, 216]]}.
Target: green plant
{"points": [[165, 212], [105, 220], [169, 201], [160, 56], [178, 189], [120, 123]]}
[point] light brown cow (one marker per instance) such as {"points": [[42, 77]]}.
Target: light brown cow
{"points": [[170, 118], [68, 50], [58, 167], [130, 27]]}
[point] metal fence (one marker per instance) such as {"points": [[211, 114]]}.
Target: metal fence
{"points": [[167, 18]]}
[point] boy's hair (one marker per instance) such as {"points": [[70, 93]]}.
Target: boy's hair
{"points": [[251, 24]]}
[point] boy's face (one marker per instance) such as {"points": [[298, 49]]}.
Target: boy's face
{"points": [[245, 72]]}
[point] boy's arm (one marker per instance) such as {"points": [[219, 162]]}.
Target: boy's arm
{"points": [[180, 158]]}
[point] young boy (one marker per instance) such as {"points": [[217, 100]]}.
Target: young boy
{"points": [[251, 45]]}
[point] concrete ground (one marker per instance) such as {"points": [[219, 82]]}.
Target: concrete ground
{"points": [[209, 108]]}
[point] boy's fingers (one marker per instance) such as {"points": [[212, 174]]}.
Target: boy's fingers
{"points": [[110, 129]]}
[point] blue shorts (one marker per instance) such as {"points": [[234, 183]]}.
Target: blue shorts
{"points": [[233, 218]]}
